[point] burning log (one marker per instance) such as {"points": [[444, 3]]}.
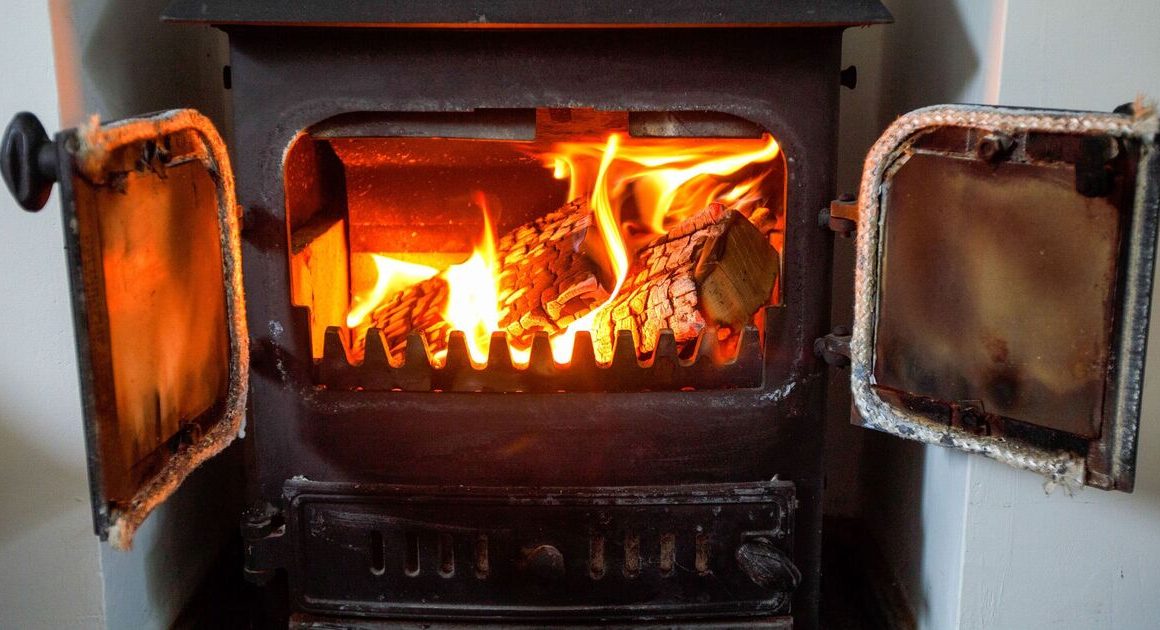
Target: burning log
{"points": [[417, 308], [715, 268], [548, 276]]}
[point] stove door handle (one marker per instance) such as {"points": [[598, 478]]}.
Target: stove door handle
{"points": [[28, 161], [768, 566]]}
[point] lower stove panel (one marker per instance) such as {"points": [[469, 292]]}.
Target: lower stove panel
{"points": [[546, 554], [312, 622]]}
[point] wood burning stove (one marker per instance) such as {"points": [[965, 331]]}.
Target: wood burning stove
{"points": [[670, 471]]}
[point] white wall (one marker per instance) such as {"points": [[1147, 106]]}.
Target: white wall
{"points": [[913, 496], [113, 58], [49, 558], [1091, 560], [977, 544], [116, 59]]}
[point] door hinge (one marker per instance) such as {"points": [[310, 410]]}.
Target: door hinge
{"points": [[263, 525], [834, 348], [842, 215]]}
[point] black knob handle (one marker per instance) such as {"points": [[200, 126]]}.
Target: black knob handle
{"points": [[544, 562], [28, 161], [767, 566]]}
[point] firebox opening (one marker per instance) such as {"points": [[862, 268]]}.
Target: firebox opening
{"points": [[555, 224]]}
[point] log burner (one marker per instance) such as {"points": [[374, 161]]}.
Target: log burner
{"points": [[536, 301], [654, 486]]}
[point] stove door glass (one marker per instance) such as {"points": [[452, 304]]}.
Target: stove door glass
{"points": [[151, 230], [1004, 275]]}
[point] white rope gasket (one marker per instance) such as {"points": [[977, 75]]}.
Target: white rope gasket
{"points": [[96, 143], [1060, 467]]}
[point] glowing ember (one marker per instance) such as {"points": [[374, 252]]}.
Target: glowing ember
{"points": [[637, 189]]}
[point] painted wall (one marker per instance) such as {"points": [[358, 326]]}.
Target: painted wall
{"points": [[912, 496], [112, 58], [117, 60], [977, 544], [49, 559], [1092, 560]]}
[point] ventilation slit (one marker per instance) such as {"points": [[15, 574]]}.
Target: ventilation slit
{"points": [[482, 566], [596, 557], [631, 555], [702, 559], [411, 566], [446, 555], [668, 554], [378, 554]]}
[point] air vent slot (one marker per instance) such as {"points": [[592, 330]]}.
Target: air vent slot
{"points": [[482, 563], [668, 554], [446, 555], [701, 561], [411, 564], [378, 553], [596, 567], [631, 555]]}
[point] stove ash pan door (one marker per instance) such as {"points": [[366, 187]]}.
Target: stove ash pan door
{"points": [[151, 234], [1003, 283]]}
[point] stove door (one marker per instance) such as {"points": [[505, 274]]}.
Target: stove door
{"points": [[151, 231], [1004, 277]]}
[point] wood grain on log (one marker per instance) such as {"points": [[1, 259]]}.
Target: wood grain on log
{"points": [[713, 268], [418, 308], [547, 278]]}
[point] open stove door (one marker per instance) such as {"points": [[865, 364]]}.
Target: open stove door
{"points": [[1003, 284], [151, 232]]}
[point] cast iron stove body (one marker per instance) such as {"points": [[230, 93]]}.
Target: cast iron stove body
{"points": [[640, 491], [547, 506], [390, 485]]}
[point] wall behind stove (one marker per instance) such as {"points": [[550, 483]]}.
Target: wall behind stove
{"points": [[910, 496], [116, 59], [1092, 560], [50, 573], [976, 544]]}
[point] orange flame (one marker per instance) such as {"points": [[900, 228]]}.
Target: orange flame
{"points": [[668, 179], [391, 275], [633, 184], [473, 295]]}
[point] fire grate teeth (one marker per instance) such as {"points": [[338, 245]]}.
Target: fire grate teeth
{"points": [[540, 362], [706, 364]]}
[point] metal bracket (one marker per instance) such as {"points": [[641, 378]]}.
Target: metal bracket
{"points": [[842, 215], [262, 524], [1093, 173], [834, 348]]}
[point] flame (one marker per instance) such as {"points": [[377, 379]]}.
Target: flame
{"points": [[473, 294], [668, 179], [634, 186], [391, 275]]}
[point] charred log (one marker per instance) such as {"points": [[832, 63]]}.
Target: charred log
{"points": [[548, 277], [549, 273], [715, 268]]}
